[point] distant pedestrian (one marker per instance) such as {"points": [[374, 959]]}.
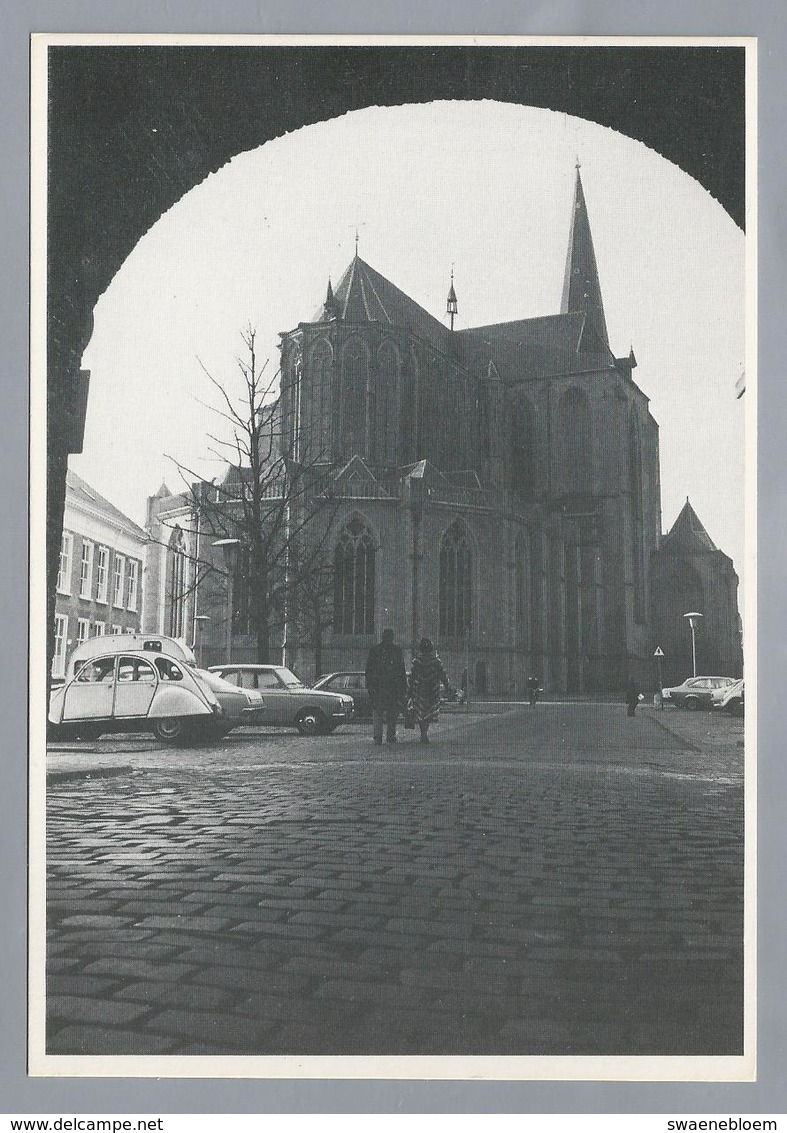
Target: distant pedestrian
{"points": [[632, 696], [426, 676], [532, 690], [386, 683]]}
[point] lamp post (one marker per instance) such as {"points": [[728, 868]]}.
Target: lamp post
{"points": [[229, 548], [694, 620], [199, 637]]}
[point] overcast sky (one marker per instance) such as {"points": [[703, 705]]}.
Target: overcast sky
{"points": [[484, 186]]}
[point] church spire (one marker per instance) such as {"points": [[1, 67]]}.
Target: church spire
{"points": [[452, 306], [581, 288]]}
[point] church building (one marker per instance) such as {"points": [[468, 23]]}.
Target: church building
{"points": [[498, 486]]}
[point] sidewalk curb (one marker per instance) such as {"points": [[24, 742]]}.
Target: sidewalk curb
{"points": [[54, 776]]}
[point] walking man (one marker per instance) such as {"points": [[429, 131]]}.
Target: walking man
{"points": [[532, 690], [386, 683]]}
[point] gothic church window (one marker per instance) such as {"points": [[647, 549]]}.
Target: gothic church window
{"points": [[576, 442], [523, 472], [385, 430], [177, 584], [456, 592], [355, 399], [354, 563], [320, 369], [635, 493]]}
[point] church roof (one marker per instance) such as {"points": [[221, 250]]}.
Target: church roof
{"points": [[362, 295], [553, 344], [687, 534], [79, 491], [581, 287]]}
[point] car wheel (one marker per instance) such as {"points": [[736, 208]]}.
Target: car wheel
{"points": [[170, 730], [692, 703], [311, 722]]}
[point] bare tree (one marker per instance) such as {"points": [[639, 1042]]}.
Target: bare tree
{"points": [[275, 504]]}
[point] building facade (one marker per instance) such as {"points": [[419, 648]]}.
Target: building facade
{"points": [[500, 485], [691, 575], [100, 575]]}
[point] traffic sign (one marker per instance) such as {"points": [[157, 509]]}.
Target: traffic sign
{"points": [[659, 652]]}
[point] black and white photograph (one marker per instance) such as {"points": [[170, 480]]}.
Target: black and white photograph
{"points": [[392, 579]]}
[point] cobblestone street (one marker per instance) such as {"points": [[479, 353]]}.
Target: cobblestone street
{"points": [[557, 881]]}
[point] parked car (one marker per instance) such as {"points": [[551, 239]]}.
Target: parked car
{"points": [[352, 683], [140, 683], [355, 684], [287, 701], [732, 699], [697, 692]]}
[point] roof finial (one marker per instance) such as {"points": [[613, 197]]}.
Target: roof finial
{"points": [[452, 306], [578, 164], [356, 239]]}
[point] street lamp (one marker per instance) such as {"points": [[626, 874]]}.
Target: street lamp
{"points": [[694, 621], [229, 548], [199, 635]]}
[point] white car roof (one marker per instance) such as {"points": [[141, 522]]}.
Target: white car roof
{"points": [[151, 644]]}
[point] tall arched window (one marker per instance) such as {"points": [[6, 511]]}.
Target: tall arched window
{"points": [[523, 463], [320, 374], [522, 589], [176, 584], [576, 442], [408, 410], [635, 493], [353, 575], [296, 381], [355, 399], [456, 588], [385, 430]]}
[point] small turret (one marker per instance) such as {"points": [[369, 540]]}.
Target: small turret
{"points": [[329, 306]]}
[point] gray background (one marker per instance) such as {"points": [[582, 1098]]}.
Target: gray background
{"points": [[766, 19]]}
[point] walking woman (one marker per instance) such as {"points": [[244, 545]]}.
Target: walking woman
{"points": [[426, 676]]}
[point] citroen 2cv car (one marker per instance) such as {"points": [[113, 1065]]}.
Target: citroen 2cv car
{"points": [[143, 683]]}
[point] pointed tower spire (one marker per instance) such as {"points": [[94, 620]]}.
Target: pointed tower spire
{"points": [[452, 306], [329, 306], [581, 288]]}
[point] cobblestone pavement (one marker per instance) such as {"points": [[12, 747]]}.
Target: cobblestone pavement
{"points": [[557, 881]]}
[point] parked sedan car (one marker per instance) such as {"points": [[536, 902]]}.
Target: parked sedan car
{"points": [[732, 699], [136, 683], [287, 701], [352, 683], [697, 692]]}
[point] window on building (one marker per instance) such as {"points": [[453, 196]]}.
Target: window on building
{"points": [[116, 630], [83, 630], [355, 399], [576, 442], [117, 581], [385, 431], [86, 570], [64, 568], [354, 562], [523, 449], [99, 629], [132, 584], [102, 574], [59, 657], [455, 583], [177, 583], [320, 382]]}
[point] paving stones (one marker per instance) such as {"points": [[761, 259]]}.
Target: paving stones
{"points": [[538, 885]]}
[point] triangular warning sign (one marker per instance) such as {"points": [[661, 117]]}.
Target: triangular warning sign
{"points": [[659, 652]]}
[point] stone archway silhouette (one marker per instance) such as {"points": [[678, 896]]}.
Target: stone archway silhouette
{"points": [[133, 128]]}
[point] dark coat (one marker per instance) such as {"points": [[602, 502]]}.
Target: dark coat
{"points": [[632, 694], [426, 676], [386, 679]]}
